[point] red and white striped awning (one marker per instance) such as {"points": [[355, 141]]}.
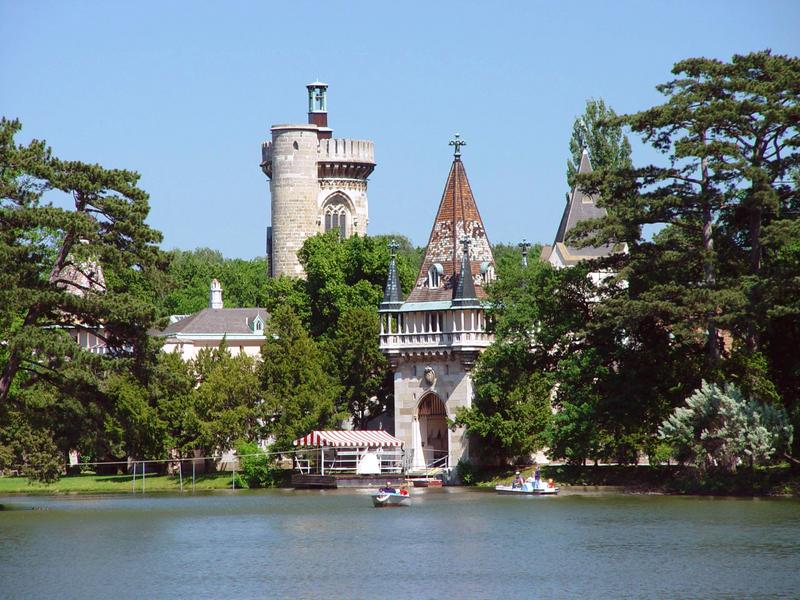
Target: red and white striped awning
{"points": [[349, 439]]}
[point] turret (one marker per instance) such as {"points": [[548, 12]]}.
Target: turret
{"points": [[317, 183], [318, 108], [392, 299]]}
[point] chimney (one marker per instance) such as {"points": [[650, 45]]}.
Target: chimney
{"points": [[215, 299]]}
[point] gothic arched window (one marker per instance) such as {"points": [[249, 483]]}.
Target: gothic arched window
{"points": [[435, 276], [336, 218]]}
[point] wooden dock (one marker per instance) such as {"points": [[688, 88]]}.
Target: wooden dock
{"points": [[343, 480]]}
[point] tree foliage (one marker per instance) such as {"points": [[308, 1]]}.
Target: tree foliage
{"points": [[40, 242], [244, 282], [701, 300], [719, 428], [359, 365], [51, 291], [596, 131], [299, 394], [228, 400]]}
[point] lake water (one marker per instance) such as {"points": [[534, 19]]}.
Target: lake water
{"points": [[451, 543]]}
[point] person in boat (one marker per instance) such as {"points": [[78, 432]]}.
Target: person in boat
{"points": [[388, 489], [518, 480]]}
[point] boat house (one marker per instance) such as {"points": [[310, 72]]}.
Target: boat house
{"points": [[346, 458]]}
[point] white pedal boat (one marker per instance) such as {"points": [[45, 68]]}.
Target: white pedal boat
{"points": [[381, 499], [529, 488]]}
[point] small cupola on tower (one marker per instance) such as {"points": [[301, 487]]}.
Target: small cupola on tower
{"points": [[215, 296], [318, 105]]}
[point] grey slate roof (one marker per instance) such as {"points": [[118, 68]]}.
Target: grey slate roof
{"points": [[219, 321], [580, 207], [464, 294], [391, 294]]}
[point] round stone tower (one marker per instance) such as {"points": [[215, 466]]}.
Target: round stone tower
{"points": [[317, 184]]}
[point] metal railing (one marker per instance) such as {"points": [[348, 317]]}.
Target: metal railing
{"points": [[329, 461]]}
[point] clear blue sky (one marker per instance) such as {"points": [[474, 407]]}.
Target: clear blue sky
{"points": [[185, 92]]}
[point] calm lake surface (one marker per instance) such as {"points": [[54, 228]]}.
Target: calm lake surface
{"points": [[451, 543]]}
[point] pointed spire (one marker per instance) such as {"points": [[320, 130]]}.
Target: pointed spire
{"points": [[457, 216], [586, 163], [464, 294], [391, 294]]}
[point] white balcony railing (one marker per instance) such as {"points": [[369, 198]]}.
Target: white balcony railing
{"points": [[389, 341]]}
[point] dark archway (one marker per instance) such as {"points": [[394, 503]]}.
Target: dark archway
{"points": [[433, 430]]}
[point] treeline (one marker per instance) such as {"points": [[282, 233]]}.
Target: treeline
{"points": [[707, 308], [321, 364], [592, 368]]}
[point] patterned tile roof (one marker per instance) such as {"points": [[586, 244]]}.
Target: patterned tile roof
{"points": [[457, 216]]}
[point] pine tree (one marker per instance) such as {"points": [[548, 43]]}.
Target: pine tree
{"points": [[40, 242]]}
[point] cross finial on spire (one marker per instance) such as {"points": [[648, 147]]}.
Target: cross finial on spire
{"points": [[465, 242], [524, 244], [393, 246], [457, 142]]}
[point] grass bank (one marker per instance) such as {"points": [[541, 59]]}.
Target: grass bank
{"points": [[113, 484], [772, 481]]}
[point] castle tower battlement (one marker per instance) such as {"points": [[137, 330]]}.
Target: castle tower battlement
{"points": [[317, 184]]}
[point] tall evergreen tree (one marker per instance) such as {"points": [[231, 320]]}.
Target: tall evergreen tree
{"points": [[40, 243], [597, 131], [718, 274], [359, 364], [299, 395]]}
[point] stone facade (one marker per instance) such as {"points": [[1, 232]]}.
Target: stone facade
{"points": [[317, 183], [433, 338]]}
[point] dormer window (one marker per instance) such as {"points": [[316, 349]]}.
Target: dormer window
{"points": [[435, 276], [258, 324], [487, 273]]}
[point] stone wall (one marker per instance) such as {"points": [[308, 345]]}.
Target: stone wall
{"points": [[294, 188], [305, 172], [453, 384]]}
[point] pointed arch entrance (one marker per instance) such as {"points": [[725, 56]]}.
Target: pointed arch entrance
{"points": [[431, 441]]}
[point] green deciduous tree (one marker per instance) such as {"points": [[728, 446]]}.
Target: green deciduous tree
{"points": [[244, 282], [343, 274]]}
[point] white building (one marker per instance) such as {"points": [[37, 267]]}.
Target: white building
{"points": [[241, 328]]}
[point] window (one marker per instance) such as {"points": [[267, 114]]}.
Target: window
{"points": [[336, 219], [435, 276], [487, 273]]}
